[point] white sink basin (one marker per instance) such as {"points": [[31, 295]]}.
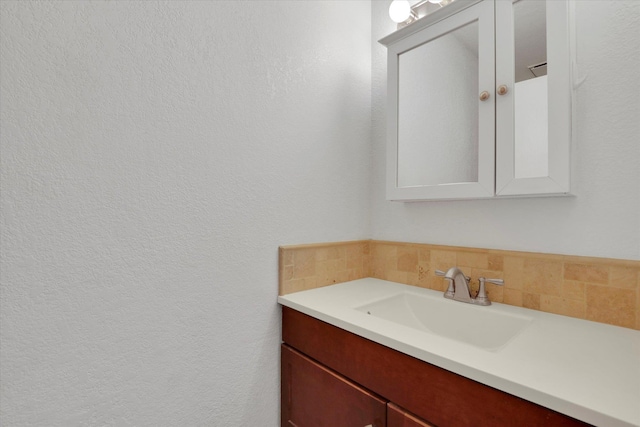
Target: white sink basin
{"points": [[483, 327]]}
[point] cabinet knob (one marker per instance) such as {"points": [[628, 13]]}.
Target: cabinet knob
{"points": [[484, 95], [503, 89]]}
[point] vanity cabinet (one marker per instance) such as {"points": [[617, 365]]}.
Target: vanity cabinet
{"points": [[416, 393], [480, 101]]}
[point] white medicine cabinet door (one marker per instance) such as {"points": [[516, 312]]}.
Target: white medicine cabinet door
{"points": [[441, 107], [533, 97], [479, 101]]}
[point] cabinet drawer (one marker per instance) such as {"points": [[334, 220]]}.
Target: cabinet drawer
{"points": [[314, 396]]}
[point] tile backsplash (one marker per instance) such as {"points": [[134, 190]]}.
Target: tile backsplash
{"points": [[599, 289]]}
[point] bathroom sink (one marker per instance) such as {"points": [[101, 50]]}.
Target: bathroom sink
{"points": [[490, 328]]}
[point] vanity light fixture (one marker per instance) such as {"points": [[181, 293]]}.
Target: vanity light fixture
{"points": [[401, 11]]}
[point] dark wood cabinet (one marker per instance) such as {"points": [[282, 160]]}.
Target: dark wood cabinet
{"points": [[398, 417], [426, 392], [314, 396]]}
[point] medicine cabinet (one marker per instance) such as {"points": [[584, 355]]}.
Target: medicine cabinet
{"points": [[480, 101]]}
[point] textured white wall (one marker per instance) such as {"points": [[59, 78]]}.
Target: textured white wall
{"points": [[154, 155], [604, 217]]}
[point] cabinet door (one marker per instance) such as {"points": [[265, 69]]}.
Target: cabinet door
{"points": [[398, 417], [314, 396], [533, 97], [441, 108]]}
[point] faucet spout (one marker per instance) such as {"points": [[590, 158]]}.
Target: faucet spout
{"points": [[461, 290]]}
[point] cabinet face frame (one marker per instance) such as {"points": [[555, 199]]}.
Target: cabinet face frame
{"points": [[560, 98], [483, 14]]}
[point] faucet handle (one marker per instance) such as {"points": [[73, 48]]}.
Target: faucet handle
{"points": [[494, 281], [481, 297]]}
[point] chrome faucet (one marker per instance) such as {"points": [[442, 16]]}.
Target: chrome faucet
{"points": [[458, 285], [459, 289]]}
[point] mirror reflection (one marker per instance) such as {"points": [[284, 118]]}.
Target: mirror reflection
{"points": [[438, 110], [530, 92]]}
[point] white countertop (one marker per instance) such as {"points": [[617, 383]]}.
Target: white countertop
{"points": [[587, 370]]}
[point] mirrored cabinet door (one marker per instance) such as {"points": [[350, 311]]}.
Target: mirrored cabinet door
{"points": [[442, 109], [480, 101], [533, 97]]}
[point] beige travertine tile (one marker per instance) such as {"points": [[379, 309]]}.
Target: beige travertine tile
{"points": [[390, 262], [424, 270], [327, 253], [308, 266], [297, 285], [397, 276], [573, 290], [438, 283], [472, 260], [352, 274], [494, 292], [574, 308], [604, 290], [513, 272], [551, 304], [351, 263], [496, 262], [412, 279], [383, 250], [486, 273], [586, 273], [407, 259], [353, 251], [376, 267], [366, 266], [542, 277], [443, 260], [286, 287], [286, 257], [424, 254], [611, 305], [512, 297], [609, 262], [287, 272], [623, 277], [531, 301], [326, 272], [310, 283], [366, 247], [304, 263]]}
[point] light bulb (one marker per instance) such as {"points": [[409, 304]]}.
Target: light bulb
{"points": [[400, 10], [435, 1]]}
